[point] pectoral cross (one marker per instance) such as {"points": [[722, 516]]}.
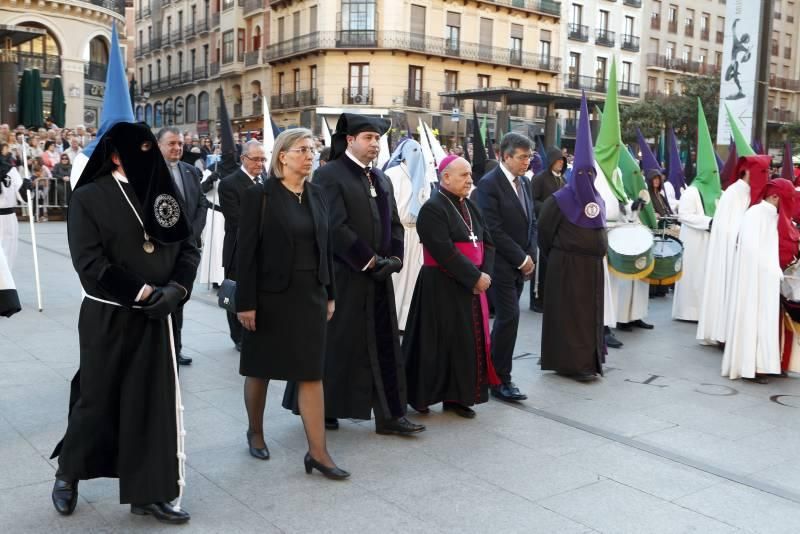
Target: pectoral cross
{"points": [[472, 237]]}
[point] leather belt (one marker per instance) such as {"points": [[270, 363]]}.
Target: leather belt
{"points": [[7, 211]]}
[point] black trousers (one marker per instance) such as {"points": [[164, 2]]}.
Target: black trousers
{"points": [[505, 294], [177, 325], [234, 326]]}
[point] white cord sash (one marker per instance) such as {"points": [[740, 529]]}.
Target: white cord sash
{"points": [[180, 430]]}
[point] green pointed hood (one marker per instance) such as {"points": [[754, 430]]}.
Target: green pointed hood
{"points": [[707, 179], [634, 183], [743, 148], [609, 145]]}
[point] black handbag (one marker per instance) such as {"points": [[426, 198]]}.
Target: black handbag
{"points": [[226, 295]]}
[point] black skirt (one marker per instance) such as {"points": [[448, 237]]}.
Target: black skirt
{"points": [[289, 341]]}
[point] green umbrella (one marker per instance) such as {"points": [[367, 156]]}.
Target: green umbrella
{"points": [[37, 113], [58, 106], [23, 99]]}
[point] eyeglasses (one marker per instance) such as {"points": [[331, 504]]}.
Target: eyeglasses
{"points": [[304, 150], [523, 157], [259, 160]]}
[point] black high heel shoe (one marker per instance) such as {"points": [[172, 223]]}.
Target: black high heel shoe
{"points": [[261, 454], [334, 473]]}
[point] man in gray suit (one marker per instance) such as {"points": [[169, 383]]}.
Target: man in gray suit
{"points": [[187, 180]]}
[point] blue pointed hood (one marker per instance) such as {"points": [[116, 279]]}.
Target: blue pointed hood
{"points": [[117, 99]]}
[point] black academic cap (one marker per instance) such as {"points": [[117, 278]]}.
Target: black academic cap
{"points": [[352, 124], [163, 214]]}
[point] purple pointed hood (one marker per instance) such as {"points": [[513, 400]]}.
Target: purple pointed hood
{"points": [[649, 161], [579, 201], [676, 176]]}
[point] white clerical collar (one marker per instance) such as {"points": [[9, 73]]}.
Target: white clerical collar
{"points": [[352, 157], [247, 173], [508, 174], [118, 176]]}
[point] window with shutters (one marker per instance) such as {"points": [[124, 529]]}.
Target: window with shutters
{"points": [[453, 33], [359, 83], [486, 39], [296, 24], [227, 46], [545, 40], [414, 98], [516, 44], [312, 19], [417, 27]]}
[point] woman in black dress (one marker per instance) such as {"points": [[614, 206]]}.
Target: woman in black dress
{"points": [[285, 293]]}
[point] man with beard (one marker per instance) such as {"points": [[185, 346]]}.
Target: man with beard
{"points": [[364, 369], [131, 246]]}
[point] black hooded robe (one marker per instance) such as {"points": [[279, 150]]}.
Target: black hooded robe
{"points": [[363, 365], [572, 324], [122, 405], [444, 343]]}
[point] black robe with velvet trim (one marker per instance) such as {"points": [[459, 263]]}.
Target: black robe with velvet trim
{"points": [[572, 324], [122, 404], [444, 344], [363, 364]]}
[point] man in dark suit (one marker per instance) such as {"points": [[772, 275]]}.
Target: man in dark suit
{"points": [[187, 181], [543, 185], [231, 189], [503, 195]]}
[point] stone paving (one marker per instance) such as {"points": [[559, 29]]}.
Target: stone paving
{"points": [[661, 444]]}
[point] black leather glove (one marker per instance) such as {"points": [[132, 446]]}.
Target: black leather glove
{"points": [[637, 204], [27, 185], [384, 267], [163, 301]]}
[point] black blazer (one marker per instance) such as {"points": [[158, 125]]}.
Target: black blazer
{"points": [[231, 189], [195, 201], [513, 231], [266, 264], [543, 185]]}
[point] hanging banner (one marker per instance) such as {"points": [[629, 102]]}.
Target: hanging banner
{"points": [[737, 87]]}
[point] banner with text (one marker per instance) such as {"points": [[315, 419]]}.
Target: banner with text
{"points": [[737, 87]]}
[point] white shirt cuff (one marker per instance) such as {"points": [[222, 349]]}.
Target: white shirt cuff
{"points": [[524, 262], [140, 293], [367, 265]]}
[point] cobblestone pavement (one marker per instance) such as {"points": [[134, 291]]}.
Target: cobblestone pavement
{"points": [[661, 444]]}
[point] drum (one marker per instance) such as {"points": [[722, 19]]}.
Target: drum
{"points": [[668, 268], [630, 251]]}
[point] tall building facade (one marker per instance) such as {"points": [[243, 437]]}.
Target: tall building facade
{"points": [[188, 49], [74, 45], [394, 58]]}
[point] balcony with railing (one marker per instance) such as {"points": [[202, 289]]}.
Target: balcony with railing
{"points": [[681, 65], [655, 21], [95, 71], [177, 36], [213, 69], [258, 106], [630, 43], [599, 85], [46, 64], [360, 96], [780, 115], [417, 99], [142, 12], [672, 26], [704, 34], [141, 50], [306, 98], [788, 84], [578, 32], [253, 6], [215, 19], [252, 58], [605, 38], [436, 46], [632, 3], [547, 7], [200, 73], [688, 30], [117, 6], [166, 40], [447, 103]]}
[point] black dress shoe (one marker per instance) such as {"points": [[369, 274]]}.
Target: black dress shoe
{"points": [[584, 377], [163, 511], [399, 426], [611, 341], [331, 423], [508, 392], [183, 360], [65, 496], [334, 473], [638, 323], [459, 409], [255, 452], [625, 327]]}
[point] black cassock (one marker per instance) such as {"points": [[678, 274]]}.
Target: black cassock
{"points": [[572, 325], [363, 363], [122, 421], [444, 343]]}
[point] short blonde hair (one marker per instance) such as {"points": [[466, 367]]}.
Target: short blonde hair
{"points": [[284, 142]]}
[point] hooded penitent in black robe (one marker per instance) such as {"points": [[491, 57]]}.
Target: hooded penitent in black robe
{"points": [[445, 342], [572, 324], [122, 416], [363, 364]]}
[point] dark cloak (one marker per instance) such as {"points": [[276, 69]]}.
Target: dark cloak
{"points": [[444, 345], [572, 324]]}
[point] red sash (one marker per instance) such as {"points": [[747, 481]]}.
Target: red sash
{"points": [[474, 253]]}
